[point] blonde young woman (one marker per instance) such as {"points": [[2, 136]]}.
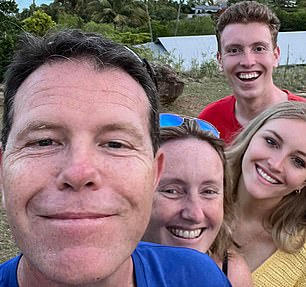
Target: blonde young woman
{"points": [[268, 165], [191, 206]]}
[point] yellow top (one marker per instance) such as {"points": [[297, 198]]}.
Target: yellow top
{"points": [[282, 270]]}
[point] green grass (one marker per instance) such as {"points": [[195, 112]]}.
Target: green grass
{"points": [[197, 94], [7, 246]]}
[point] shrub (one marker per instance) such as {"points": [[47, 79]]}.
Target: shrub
{"points": [[39, 23]]}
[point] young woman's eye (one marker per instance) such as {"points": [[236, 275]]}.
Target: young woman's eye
{"points": [[271, 142], [298, 162]]}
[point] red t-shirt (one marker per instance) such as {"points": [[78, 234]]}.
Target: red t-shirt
{"points": [[222, 115]]}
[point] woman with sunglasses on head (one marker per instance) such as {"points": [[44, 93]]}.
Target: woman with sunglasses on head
{"points": [[191, 205], [268, 165]]}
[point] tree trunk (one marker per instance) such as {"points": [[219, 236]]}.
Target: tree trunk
{"points": [[149, 20], [178, 17]]}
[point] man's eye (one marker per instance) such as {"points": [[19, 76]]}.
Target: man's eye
{"points": [[115, 145], [260, 49], [233, 50], [45, 142]]}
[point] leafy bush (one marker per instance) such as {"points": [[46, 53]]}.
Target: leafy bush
{"points": [[292, 21], [38, 24], [9, 30], [69, 21]]}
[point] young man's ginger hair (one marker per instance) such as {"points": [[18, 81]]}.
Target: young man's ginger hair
{"points": [[248, 12]]}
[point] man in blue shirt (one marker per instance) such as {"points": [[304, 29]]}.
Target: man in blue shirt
{"points": [[79, 164]]}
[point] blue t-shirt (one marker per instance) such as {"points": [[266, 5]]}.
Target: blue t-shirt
{"points": [[154, 266]]}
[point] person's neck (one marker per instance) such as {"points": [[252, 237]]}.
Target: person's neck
{"points": [[252, 209], [248, 108], [28, 276]]}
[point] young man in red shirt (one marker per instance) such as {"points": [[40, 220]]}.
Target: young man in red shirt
{"points": [[247, 53]]}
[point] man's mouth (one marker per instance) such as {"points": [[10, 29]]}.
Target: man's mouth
{"points": [[75, 216], [251, 76], [267, 177], [186, 234]]}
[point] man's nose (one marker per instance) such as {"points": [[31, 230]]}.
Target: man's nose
{"points": [[247, 59], [80, 170]]}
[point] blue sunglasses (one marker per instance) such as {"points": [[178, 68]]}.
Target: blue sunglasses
{"points": [[173, 120]]}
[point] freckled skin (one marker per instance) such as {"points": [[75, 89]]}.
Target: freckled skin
{"points": [[189, 196], [78, 175]]}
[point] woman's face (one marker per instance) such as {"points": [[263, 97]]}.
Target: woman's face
{"points": [[188, 204], [274, 163]]}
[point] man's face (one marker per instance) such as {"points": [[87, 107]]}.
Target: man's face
{"points": [[79, 172], [248, 58]]}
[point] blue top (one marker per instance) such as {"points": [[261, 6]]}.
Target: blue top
{"points": [[154, 266]]}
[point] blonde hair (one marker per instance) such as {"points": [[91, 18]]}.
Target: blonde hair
{"points": [[287, 220], [191, 129]]}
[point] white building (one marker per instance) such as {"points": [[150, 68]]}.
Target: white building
{"points": [[190, 50]]}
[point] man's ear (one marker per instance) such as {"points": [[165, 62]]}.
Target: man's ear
{"points": [[219, 59], [158, 166], [276, 53]]}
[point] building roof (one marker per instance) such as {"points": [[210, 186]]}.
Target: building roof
{"points": [[191, 50]]}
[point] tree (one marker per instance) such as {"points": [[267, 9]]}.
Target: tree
{"points": [[9, 30], [127, 12], [178, 17], [39, 23], [149, 19]]}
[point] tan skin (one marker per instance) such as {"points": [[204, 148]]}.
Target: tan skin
{"points": [[94, 178], [238, 272], [273, 166], [247, 51], [190, 198]]}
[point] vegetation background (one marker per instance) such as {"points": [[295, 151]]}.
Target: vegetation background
{"points": [[134, 22]]}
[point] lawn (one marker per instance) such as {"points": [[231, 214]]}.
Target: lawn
{"points": [[197, 93]]}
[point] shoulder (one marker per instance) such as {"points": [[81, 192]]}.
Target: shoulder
{"points": [[288, 269], [220, 105], [293, 97], [8, 272], [239, 273], [187, 266]]}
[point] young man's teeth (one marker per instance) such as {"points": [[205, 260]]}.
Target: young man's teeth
{"points": [[265, 176], [248, 76], [187, 234]]}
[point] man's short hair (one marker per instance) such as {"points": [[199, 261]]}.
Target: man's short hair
{"points": [[248, 12], [65, 45]]}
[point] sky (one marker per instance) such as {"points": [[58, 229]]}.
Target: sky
{"points": [[26, 3]]}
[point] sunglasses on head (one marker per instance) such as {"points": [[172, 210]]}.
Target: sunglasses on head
{"points": [[173, 120], [145, 64]]}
